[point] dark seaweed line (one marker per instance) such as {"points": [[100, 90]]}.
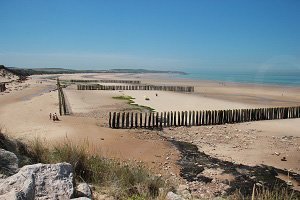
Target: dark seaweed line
{"points": [[244, 181]]}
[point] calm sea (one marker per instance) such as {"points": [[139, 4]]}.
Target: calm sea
{"points": [[274, 78]]}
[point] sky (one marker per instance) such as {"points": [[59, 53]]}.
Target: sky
{"points": [[156, 34]]}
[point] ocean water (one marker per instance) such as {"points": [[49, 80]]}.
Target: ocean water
{"points": [[269, 78]]}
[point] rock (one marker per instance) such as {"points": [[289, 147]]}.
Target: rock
{"points": [[173, 196], [40, 181], [82, 198], [83, 190], [186, 194], [12, 195], [183, 187], [8, 163]]}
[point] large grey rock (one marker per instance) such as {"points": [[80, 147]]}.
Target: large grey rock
{"points": [[173, 196], [83, 190], [81, 198], [40, 181], [8, 163]]}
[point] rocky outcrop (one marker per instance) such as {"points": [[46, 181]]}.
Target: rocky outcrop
{"points": [[83, 190], [39, 181], [8, 163]]}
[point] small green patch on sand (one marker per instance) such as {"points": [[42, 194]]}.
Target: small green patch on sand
{"points": [[135, 106]]}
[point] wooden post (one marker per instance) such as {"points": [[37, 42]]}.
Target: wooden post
{"points": [[59, 97], [175, 119], [123, 119], [131, 124], [118, 120], [165, 119], [145, 123], [114, 120], [220, 113], [193, 118], [213, 117], [149, 121], [109, 120], [186, 116], [127, 120], [161, 120], [171, 119], [168, 119], [156, 119], [190, 118], [136, 120], [200, 118], [153, 120]]}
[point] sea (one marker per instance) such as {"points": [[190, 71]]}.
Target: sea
{"points": [[286, 78]]}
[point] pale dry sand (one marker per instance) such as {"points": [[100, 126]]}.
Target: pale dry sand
{"points": [[24, 113], [172, 101]]}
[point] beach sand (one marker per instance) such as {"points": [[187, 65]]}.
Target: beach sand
{"points": [[24, 113]]}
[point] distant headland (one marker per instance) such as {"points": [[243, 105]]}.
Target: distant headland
{"points": [[39, 71]]}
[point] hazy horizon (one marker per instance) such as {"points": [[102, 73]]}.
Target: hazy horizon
{"points": [[168, 35]]}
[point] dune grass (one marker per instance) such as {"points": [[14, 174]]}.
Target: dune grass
{"points": [[123, 180], [264, 193]]}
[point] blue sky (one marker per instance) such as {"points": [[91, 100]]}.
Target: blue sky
{"points": [[156, 34]]}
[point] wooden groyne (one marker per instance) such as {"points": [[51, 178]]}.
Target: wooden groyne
{"points": [[105, 81], [136, 87], [198, 118], [62, 100], [2, 87]]}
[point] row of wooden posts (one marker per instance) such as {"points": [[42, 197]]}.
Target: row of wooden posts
{"points": [[2, 87], [106, 81], [136, 87], [61, 100], [198, 118]]}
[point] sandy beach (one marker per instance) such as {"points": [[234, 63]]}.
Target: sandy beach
{"points": [[24, 113]]}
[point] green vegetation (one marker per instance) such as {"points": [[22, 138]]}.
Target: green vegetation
{"points": [[135, 106], [263, 193], [122, 180], [125, 97]]}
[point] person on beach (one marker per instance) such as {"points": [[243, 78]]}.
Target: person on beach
{"points": [[50, 116], [56, 118], [53, 117]]}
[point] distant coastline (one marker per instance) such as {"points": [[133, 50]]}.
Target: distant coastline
{"points": [[41, 71], [284, 79], [262, 78]]}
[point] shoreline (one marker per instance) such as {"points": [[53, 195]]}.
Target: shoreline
{"points": [[255, 78]]}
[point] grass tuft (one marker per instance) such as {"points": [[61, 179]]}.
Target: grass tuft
{"points": [[124, 180], [263, 193]]}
